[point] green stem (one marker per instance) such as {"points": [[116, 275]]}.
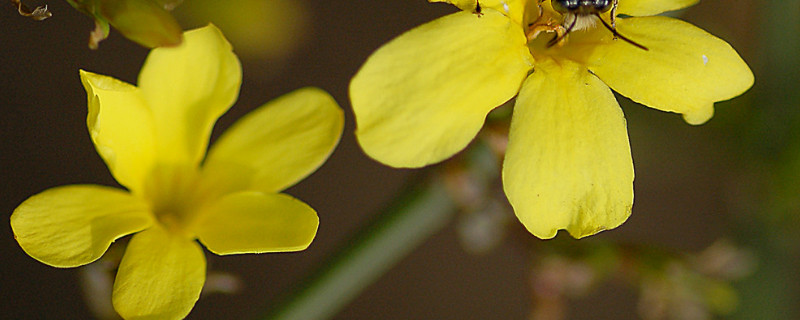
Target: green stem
{"points": [[377, 248]]}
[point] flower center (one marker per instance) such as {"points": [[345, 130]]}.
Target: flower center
{"points": [[560, 17], [172, 191]]}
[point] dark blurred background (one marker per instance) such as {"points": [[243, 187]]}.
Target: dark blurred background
{"points": [[694, 185]]}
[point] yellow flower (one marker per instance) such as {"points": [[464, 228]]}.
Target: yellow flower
{"points": [[424, 96], [153, 137]]}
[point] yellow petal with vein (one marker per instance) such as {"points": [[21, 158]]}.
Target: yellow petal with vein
{"points": [[187, 88], [121, 127], [160, 276], [277, 144], [685, 69], [73, 225], [424, 96], [512, 8], [568, 163], [254, 222], [652, 7]]}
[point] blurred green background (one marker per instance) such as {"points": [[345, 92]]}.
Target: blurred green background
{"points": [[735, 177]]}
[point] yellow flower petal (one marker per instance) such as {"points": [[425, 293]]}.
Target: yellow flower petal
{"points": [[651, 7], [423, 96], [568, 163], [187, 88], [121, 127], [160, 276], [254, 222], [73, 225], [685, 69], [512, 8], [276, 145], [461, 4]]}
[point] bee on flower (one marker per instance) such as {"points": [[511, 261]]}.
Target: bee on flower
{"points": [[424, 96]]}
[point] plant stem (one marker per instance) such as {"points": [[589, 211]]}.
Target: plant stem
{"points": [[377, 248]]}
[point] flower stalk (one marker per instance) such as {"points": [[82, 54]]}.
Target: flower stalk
{"points": [[372, 252], [423, 210]]}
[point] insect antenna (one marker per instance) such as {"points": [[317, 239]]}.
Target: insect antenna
{"points": [[616, 34]]}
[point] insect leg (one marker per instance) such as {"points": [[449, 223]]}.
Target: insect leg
{"points": [[614, 14], [560, 37], [541, 9], [617, 35]]}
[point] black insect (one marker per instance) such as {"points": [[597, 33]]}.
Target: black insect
{"points": [[583, 12]]}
